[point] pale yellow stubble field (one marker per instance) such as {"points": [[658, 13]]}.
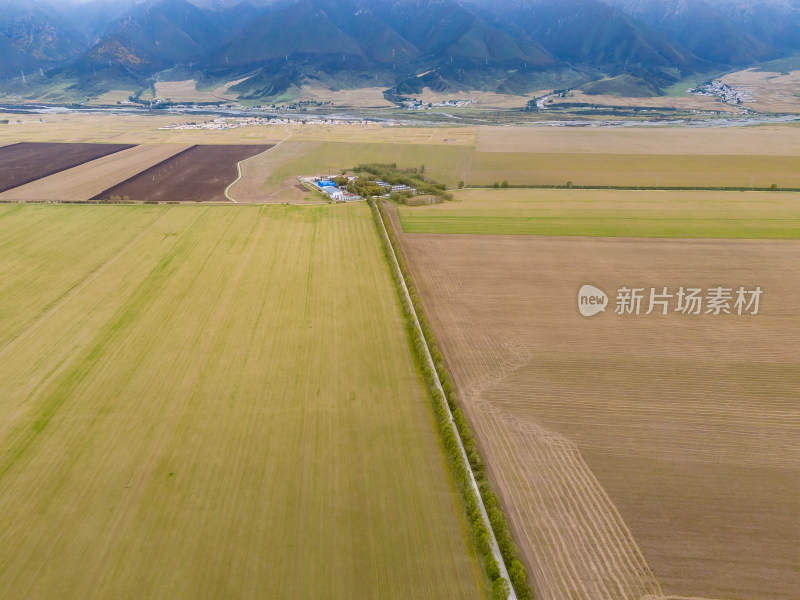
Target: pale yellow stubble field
{"points": [[206, 402]]}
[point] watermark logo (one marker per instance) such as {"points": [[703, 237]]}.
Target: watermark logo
{"points": [[591, 300], [718, 300]]}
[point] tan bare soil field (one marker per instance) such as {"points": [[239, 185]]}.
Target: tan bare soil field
{"points": [[771, 92], [774, 140], [637, 456], [87, 180]]}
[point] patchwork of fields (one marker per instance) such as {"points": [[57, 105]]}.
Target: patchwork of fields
{"points": [[220, 401], [89, 179], [43, 172], [211, 401], [197, 174]]}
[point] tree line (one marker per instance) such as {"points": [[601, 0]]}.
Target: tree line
{"points": [[497, 518]]}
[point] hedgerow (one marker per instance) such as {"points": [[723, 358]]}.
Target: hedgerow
{"points": [[497, 518]]}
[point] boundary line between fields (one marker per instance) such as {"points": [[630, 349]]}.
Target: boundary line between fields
{"points": [[463, 453], [239, 168]]}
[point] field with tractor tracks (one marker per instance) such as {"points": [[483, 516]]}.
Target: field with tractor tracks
{"points": [[637, 455]]}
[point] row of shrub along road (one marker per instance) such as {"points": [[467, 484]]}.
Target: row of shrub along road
{"points": [[449, 414]]}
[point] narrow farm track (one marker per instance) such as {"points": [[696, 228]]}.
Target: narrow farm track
{"points": [[229, 189]]}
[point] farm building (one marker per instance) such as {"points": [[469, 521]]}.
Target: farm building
{"points": [[335, 193]]}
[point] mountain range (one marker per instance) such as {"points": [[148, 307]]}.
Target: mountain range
{"points": [[77, 49]]}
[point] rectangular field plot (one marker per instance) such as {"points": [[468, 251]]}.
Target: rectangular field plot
{"points": [[198, 174], [215, 402], [27, 161], [638, 456], [611, 213], [85, 181], [646, 170]]}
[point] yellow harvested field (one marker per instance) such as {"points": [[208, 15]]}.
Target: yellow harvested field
{"points": [[134, 129], [634, 169], [138, 129], [772, 140], [772, 92], [89, 179], [215, 402], [377, 134], [637, 456]]}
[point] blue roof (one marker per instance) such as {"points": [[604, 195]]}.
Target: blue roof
{"points": [[325, 183]]}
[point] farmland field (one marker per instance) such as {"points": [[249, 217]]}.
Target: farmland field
{"points": [[637, 456], [89, 179], [25, 162], [479, 156], [611, 213], [272, 177], [650, 170], [215, 401], [197, 174], [767, 140]]}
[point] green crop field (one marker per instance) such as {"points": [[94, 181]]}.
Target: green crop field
{"points": [[215, 402], [611, 213]]}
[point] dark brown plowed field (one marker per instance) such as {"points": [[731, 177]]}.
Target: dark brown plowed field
{"points": [[199, 173], [25, 162]]}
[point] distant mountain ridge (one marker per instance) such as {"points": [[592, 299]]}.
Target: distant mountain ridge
{"points": [[405, 45]]}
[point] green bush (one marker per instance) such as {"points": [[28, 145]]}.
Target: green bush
{"points": [[500, 589]]}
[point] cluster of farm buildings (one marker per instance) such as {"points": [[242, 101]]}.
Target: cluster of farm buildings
{"points": [[339, 193], [336, 194]]}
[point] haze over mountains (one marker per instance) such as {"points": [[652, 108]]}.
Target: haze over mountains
{"points": [[87, 48]]}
